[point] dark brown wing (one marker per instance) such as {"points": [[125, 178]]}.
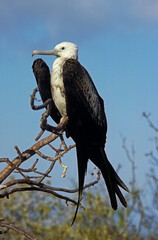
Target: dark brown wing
{"points": [[85, 108], [42, 75]]}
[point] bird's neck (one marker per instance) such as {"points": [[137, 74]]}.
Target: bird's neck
{"points": [[58, 63]]}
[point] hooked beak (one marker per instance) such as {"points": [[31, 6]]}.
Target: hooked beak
{"points": [[49, 52]]}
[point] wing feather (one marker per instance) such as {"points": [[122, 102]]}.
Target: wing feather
{"points": [[85, 107], [42, 75]]}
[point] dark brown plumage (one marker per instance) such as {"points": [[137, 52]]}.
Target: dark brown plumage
{"points": [[87, 123], [42, 76]]}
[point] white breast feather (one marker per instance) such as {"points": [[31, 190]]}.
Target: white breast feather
{"points": [[57, 86]]}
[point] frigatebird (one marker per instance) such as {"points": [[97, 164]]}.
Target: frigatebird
{"points": [[74, 95]]}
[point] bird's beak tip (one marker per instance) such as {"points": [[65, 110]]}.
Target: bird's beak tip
{"points": [[34, 52]]}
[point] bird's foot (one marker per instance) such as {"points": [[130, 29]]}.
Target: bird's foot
{"points": [[58, 130]]}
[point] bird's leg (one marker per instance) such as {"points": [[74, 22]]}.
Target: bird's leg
{"points": [[61, 126], [45, 126]]}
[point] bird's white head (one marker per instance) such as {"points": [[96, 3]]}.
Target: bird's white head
{"points": [[64, 50], [67, 50]]}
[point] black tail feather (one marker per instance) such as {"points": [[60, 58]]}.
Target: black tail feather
{"points": [[121, 197], [82, 167], [112, 180], [110, 186]]}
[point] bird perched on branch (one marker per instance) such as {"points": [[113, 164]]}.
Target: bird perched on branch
{"points": [[74, 95]]}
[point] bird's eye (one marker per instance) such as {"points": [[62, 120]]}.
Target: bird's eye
{"points": [[63, 48]]}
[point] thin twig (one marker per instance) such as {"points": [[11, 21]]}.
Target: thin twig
{"points": [[151, 124], [33, 98], [44, 186], [47, 172], [40, 189], [16, 229]]}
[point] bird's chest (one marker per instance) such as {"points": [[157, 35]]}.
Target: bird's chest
{"points": [[57, 87]]}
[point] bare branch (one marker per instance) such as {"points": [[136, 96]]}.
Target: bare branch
{"points": [[38, 188], [151, 124], [65, 167], [43, 187], [9, 226], [30, 152], [131, 158], [33, 98]]}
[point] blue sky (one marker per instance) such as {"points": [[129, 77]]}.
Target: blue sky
{"points": [[117, 43]]}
